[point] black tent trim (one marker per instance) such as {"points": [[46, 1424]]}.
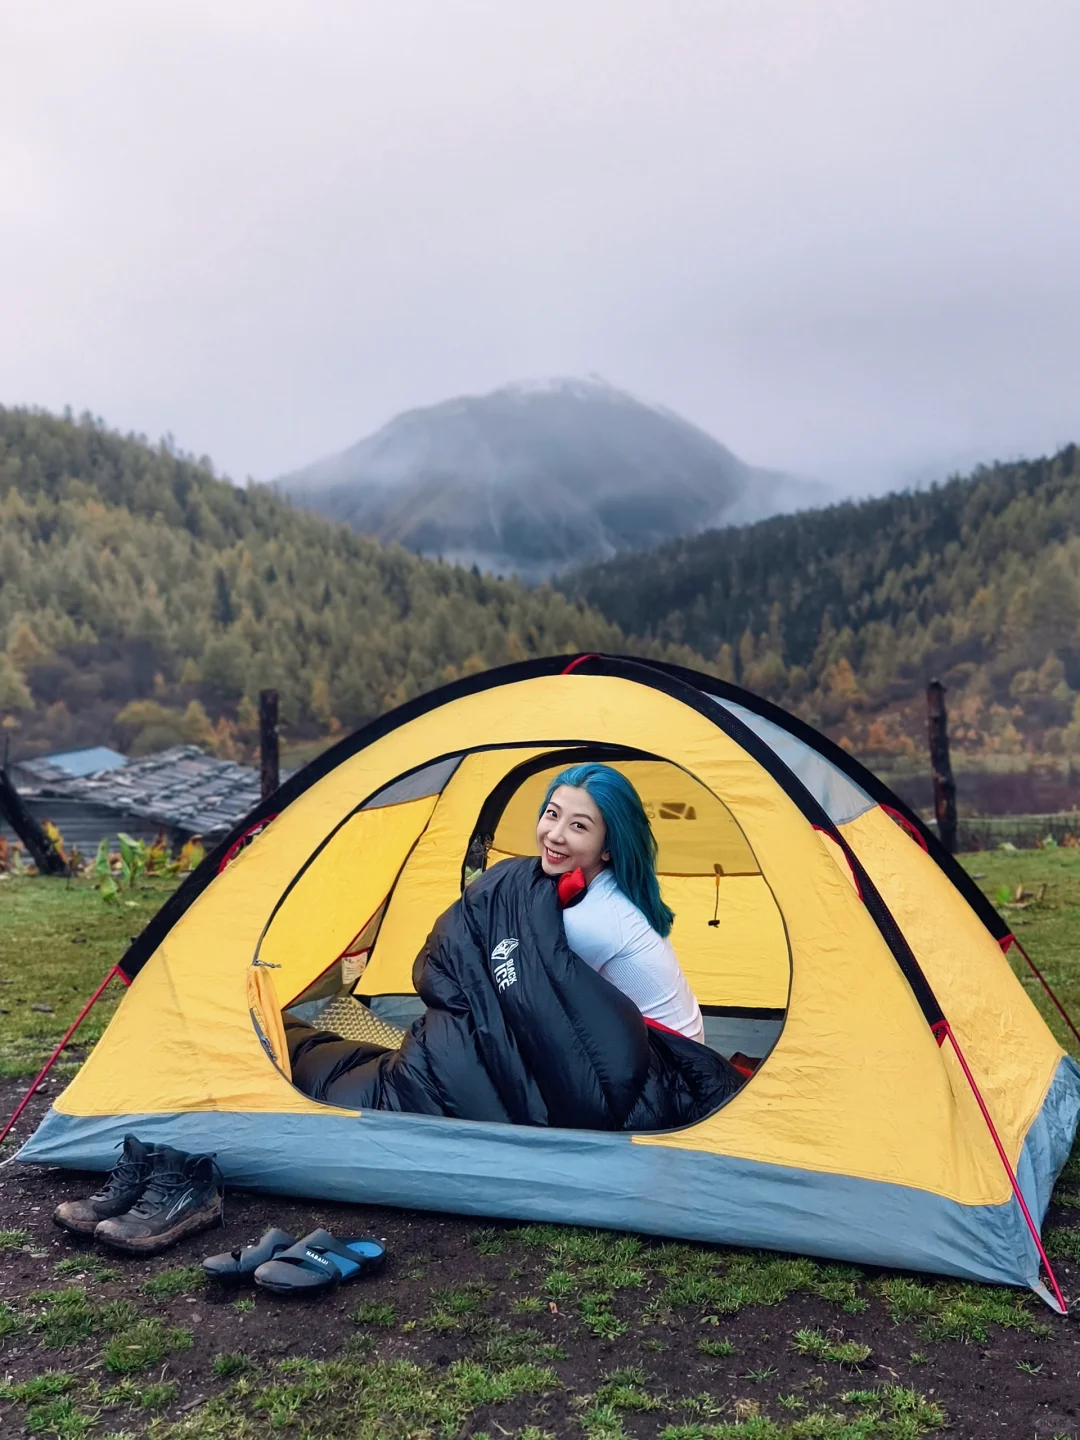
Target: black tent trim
{"points": [[855, 771]]}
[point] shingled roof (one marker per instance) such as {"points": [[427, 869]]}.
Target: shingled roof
{"points": [[183, 789], [48, 771]]}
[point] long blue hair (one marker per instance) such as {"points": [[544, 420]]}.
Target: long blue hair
{"points": [[630, 841]]}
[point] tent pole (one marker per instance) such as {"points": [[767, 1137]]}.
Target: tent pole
{"points": [[579, 661], [944, 1028], [1011, 939], [57, 1052]]}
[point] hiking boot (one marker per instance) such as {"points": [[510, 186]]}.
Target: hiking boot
{"points": [[182, 1196], [125, 1184]]}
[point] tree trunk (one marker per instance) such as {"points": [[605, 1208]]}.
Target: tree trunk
{"points": [[268, 741], [40, 848], [940, 767]]}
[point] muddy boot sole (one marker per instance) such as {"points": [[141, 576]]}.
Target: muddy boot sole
{"points": [[68, 1218], [194, 1221]]}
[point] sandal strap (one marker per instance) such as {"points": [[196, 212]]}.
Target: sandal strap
{"points": [[309, 1253], [326, 1244], [273, 1236], [246, 1250]]}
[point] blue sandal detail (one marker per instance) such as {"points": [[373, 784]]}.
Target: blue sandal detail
{"points": [[319, 1262]]}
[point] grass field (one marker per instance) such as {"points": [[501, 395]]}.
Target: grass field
{"points": [[58, 941], [498, 1330], [1044, 916]]}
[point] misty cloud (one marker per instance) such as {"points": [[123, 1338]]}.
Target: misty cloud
{"points": [[839, 237]]}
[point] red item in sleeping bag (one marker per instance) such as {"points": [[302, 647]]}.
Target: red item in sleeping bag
{"points": [[571, 887]]}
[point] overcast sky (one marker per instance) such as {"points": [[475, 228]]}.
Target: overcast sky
{"points": [[841, 235]]}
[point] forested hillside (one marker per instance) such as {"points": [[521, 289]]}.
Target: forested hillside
{"points": [[144, 602], [844, 613]]}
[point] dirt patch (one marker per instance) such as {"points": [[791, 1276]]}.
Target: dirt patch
{"points": [[498, 1329]]}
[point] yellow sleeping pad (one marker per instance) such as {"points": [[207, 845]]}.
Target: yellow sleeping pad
{"points": [[346, 1017]]}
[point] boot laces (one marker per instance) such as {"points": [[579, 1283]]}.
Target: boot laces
{"points": [[158, 1189], [124, 1173], [163, 1182]]}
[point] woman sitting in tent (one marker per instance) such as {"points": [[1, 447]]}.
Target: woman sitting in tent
{"points": [[593, 821], [553, 994]]}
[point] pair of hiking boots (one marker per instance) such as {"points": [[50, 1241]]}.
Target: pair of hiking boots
{"points": [[153, 1196]]}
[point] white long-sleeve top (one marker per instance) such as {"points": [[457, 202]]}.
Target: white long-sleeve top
{"points": [[613, 937]]}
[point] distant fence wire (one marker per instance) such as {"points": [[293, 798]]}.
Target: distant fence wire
{"points": [[1026, 832]]}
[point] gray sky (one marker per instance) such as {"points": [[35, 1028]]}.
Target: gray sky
{"points": [[839, 234]]}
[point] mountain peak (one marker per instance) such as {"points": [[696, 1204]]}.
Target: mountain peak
{"points": [[574, 387], [539, 474]]}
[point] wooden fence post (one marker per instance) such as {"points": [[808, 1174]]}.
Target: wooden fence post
{"points": [[268, 741], [940, 766], [41, 849]]}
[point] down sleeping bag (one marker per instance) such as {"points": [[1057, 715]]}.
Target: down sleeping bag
{"points": [[517, 1029]]}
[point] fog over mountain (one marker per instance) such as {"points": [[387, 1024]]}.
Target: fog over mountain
{"points": [[540, 475]]}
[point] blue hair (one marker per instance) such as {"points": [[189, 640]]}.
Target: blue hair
{"points": [[630, 840]]}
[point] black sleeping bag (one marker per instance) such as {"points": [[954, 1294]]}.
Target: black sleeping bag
{"points": [[517, 1029]]}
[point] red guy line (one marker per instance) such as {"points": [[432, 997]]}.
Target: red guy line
{"points": [[56, 1053], [1012, 940], [944, 1026]]}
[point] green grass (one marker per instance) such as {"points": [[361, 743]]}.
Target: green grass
{"points": [[58, 941], [89, 1267], [371, 1312], [145, 1343], [360, 1400], [154, 1396], [1063, 1245], [890, 1412], [818, 1346], [621, 1391], [718, 1348], [488, 1241], [723, 1284], [67, 1317], [946, 1311], [64, 1318], [599, 1318], [61, 1419], [456, 1308], [227, 1365], [907, 1300], [558, 1284], [41, 1387], [14, 1239], [49, 1409], [10, 1321], [186, 1280], [1048, 928], [501, 1344]]}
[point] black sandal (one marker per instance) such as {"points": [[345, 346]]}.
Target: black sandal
{"points": [[319, 1262], [240, 1265]]}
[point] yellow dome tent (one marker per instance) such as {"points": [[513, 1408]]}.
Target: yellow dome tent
{"points": [[910, 1108]]}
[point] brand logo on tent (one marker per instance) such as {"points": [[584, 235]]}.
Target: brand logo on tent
{"points": [[504, 972], [677, 810]]}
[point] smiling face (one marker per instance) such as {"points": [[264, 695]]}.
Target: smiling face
{"points": [[571, 834]]}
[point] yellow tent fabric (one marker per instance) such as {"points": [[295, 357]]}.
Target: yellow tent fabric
{"points": [[857, 1088]]}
